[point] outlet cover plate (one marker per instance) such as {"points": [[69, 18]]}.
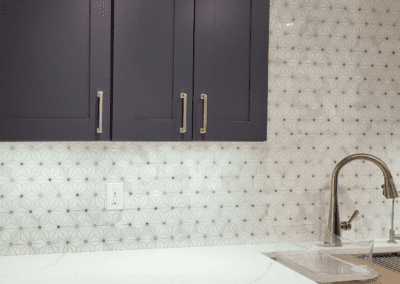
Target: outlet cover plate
{"points": [[120, 195]]}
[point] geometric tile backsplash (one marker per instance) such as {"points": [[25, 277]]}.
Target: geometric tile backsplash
{"points": [[333, 79]]}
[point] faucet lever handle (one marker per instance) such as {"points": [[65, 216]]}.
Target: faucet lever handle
{"points": [[353, 216], [346, 225]]}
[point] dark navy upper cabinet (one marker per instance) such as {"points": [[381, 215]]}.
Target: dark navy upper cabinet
{"points": [[54, 58], [169, 70], [152, 66], [230, 67], [218, 48]]}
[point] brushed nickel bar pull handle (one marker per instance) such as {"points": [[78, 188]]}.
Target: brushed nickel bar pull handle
{"points": [[184, 97], [100, 128], [204, 129]]}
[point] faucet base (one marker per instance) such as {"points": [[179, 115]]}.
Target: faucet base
{"points": [[391, 236]]}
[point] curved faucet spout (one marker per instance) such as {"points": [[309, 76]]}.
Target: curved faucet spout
{"points": [[389, 190]]}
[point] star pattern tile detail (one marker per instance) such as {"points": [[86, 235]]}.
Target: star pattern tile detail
{"points": [[334, 68]]}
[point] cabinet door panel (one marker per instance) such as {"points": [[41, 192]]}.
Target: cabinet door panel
{"points": [[230, 67], [49, 53], [153, 59]]}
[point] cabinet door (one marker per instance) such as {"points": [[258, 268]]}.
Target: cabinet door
{"points": [[230, 67], [152, 66], [54, 57]]}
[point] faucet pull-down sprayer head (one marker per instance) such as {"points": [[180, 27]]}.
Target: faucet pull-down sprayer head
{"points": [[389, 189]]}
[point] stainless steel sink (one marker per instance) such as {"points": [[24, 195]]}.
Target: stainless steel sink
{"points": [[389, 261], [387, 265]]}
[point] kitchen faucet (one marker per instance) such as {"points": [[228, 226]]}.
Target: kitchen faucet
{"points": [[389, 190]]}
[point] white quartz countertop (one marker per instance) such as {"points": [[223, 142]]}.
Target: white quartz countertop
{"points": [[241, 264]]}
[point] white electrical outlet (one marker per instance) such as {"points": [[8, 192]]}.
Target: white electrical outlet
{"points": [[115, 194]]}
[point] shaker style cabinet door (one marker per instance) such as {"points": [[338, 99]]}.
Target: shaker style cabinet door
{"points": [[54, 58], [231, 69], [152, 67]]}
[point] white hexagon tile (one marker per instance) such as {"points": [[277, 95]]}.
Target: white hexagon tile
{"points": [[334, 73]]}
